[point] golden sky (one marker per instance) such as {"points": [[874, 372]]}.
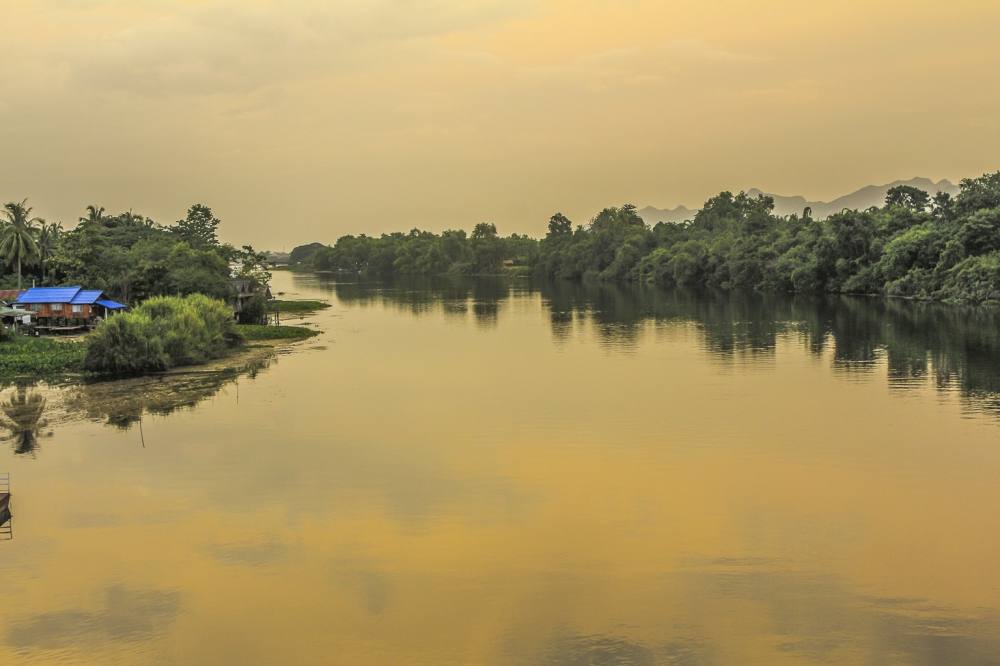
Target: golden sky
{"points": [[301, 120]]}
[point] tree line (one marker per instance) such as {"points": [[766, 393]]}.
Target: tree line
{"points": [[128, 255], [914, 245]]}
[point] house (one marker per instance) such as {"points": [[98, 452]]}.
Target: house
{"points": [[244, 291], [66, 308], [15, 317]]}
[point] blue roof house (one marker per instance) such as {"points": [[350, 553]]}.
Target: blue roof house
{"points": [[67, 308]]}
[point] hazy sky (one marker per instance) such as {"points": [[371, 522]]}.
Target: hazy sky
{"points": [[300, 120]]}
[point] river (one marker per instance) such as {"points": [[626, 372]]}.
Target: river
{"points": [[501, 472]]}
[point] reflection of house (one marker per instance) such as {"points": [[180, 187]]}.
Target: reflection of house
{"points": [[67, 308]]}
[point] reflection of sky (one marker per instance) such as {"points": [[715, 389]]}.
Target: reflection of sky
{"points": [[421, 487]]}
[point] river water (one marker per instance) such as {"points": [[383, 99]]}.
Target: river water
{"points": [[501, 472]]}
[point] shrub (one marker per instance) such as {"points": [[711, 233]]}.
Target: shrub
{"points": [[163, 332], [974, 280]]}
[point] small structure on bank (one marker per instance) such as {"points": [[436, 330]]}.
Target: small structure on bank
{"points": [[10, 316], [249, 301], [66, 308]]}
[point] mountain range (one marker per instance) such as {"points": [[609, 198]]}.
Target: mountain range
{"points": [[872, 195]]}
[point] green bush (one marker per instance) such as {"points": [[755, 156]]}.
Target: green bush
{"points": [[163, 332], [974, 280]]}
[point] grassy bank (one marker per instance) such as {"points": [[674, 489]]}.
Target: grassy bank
{"points": [[151, 339], [252, 332], [297, 307], [40, 357], [48, 358]]}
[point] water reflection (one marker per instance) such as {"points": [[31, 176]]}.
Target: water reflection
{"points": [[121, 404], [627, 476], [22, 418], [454, 297], [956, 348], [27, 416]]}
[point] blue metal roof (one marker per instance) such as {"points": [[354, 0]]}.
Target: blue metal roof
{"points": [[111, 305], [48, 295], [86, 296]]}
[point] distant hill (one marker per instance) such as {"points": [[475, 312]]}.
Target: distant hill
{"points": [[866, 197]]}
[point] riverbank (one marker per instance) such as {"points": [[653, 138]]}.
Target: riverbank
{"points": [[56, 359]]}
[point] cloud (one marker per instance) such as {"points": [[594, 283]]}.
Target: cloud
{"points": [[224, 47]]}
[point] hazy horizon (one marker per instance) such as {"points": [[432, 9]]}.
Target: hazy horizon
{"points": [[306, 120]]}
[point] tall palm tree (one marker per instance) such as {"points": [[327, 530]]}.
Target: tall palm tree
{"points": [[48, 239], [17, 238], [94, 214]]}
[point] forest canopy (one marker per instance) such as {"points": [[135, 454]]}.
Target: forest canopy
{"points": [[128, 255], [914, 245]]}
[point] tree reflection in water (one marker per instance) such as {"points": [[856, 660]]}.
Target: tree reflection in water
{"points": [[22, 418], [954, 348], [122, 403]]}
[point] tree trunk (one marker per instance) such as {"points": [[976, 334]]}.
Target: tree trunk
{"points": [[19, 272]]}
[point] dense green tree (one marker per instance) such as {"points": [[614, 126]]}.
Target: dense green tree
{"points": [[95, 215], [907, 196], [487, 249], [48, 240], [17, 239], [199, 228]]}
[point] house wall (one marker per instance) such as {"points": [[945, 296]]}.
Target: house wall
{"points": [[60, 310]]}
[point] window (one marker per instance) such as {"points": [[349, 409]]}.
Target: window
{"points": [[77, 309], [36, 307]]}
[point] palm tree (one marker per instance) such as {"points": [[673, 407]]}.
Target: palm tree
{"points": [[17, 240], [48, 239], [94, 214]]}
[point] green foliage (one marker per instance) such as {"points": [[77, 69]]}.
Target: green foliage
{"points": [[131, 258], [163, 332], [974, 280], [425, 253], [199, 228], [262, 332], [21, 356], [304, 253], [17, 236], [907, 196], [913, 246]]}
